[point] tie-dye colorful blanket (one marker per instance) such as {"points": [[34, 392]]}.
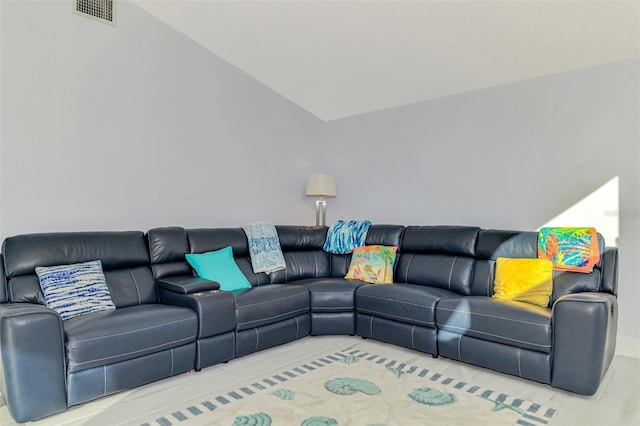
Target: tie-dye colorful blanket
{"points": [[570, 249], [343, 236]]}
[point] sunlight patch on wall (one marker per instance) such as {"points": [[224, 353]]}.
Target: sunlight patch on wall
{"points": [[599, 209]]}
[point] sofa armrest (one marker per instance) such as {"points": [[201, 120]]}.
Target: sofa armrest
{"points": [[32, 358], [216, 316], [187, 284], [584, 340], [216, 309], [610, 270]]}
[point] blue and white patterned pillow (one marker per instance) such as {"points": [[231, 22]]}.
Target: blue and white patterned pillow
{"points": [[74, 290]]}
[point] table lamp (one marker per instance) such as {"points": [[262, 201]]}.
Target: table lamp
{"points": [[321, 186]]}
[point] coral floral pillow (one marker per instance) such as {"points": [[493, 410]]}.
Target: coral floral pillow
{"points": [[524, 280], [372, 264]]}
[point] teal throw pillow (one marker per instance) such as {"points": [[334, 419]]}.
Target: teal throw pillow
{"points": [[74, 290], [219, 266]]}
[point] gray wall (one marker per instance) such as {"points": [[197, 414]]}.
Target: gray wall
{"points": [[136, 126], [509, 157]]}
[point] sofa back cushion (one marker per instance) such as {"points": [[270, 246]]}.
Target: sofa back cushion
{"points": [[438, 256], [219, 266], [3, 282], [380, 235], [124, 257], [303, 254], [494, 243], [168, 247], [210, 239]]}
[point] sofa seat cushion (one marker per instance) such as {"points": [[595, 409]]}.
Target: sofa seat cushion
{"points": [[331, 294], [269, 304], [105, 338], [512, 323], [408, 303]]}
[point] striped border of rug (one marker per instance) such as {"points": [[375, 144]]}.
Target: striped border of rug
{"points": [[532, 414]]}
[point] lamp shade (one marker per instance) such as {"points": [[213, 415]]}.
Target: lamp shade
{"points": [[321, 185]]}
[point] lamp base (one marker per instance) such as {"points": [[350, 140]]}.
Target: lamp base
{"points": [[321, 212]]}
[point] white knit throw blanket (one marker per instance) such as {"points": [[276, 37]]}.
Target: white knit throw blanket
{"points": [[264, 247]]}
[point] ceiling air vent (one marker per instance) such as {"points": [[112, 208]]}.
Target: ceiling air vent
{"points": [[100, 10]]}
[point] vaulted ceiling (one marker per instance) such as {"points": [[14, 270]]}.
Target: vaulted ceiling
{"points": [[342, 58]]}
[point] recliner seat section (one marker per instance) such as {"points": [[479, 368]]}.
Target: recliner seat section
{"points": [[433, 263], [168, 320], [259, 325], [271, 312], [518, 324], [512, 337], [111, 347], [93, 355], [402, 314], [522, 339], [270, 315]]}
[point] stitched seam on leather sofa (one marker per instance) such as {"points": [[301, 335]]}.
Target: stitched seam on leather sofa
{"points": [[394, 300], [271, 301], [491, 266], [341, 309], [410, 320], [188, 339], [135, 284], [447, 327], [371, 326], [413, 330], [315, 266], [276, 316], [27, 314], [200, 324], [406, 275], [495, 316], [104, 375], [72, 341], [257, 340], [451, 271], [585, 300], [519, 368]]}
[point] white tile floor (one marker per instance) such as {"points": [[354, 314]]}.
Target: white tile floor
{"points": [[616, 403]]}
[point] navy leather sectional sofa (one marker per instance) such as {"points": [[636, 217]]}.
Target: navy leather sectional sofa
{"points": [[168, 321]]}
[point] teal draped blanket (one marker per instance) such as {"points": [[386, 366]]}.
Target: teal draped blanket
{"points": [[344, 236]]}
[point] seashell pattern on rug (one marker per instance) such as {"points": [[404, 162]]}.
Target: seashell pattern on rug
{"points": [[350, 385], [350, 359], [432, 397], [319, 421], [258, 419], [284, 394]]}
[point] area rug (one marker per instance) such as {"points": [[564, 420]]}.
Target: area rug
{"points": [[352, 387]]}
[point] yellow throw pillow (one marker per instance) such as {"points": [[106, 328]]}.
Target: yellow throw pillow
{"points": [[372, 264], [524, 280]]}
